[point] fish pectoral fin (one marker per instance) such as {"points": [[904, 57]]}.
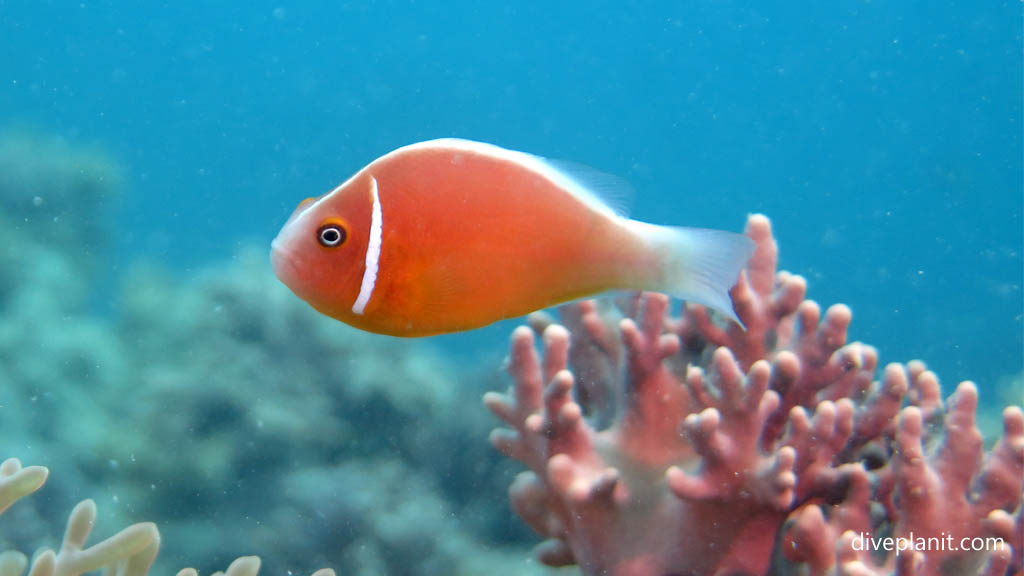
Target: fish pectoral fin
{"points": [[439, 295]]}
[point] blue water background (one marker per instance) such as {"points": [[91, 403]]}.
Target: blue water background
{"points": [[882, 138]]}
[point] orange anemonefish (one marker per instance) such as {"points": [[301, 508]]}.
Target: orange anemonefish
{"points": [[449, 235]]}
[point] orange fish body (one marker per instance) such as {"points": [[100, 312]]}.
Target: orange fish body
{"points": [[450, 235]]}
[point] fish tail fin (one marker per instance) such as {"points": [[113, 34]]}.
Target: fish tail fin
{"points": [[696, 264]]}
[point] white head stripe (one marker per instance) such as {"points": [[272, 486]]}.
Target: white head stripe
{"points": [[372, 252]]}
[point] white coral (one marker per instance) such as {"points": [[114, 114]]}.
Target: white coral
{"points": [[130, 552]]}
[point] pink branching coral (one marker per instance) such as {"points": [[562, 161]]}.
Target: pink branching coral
{"points": [[682, 446]]}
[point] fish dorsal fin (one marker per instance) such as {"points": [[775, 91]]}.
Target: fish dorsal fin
{"points": [[598, 189]]}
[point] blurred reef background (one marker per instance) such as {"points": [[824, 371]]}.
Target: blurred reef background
{"points": [[148, 153]]}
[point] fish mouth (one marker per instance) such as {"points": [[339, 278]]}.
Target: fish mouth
{"points": [[284, 264]]}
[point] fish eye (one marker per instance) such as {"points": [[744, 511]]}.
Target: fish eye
{"points": [[331, 235]]}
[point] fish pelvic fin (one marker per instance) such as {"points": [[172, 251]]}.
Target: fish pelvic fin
{"points": [[696, 264]]}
